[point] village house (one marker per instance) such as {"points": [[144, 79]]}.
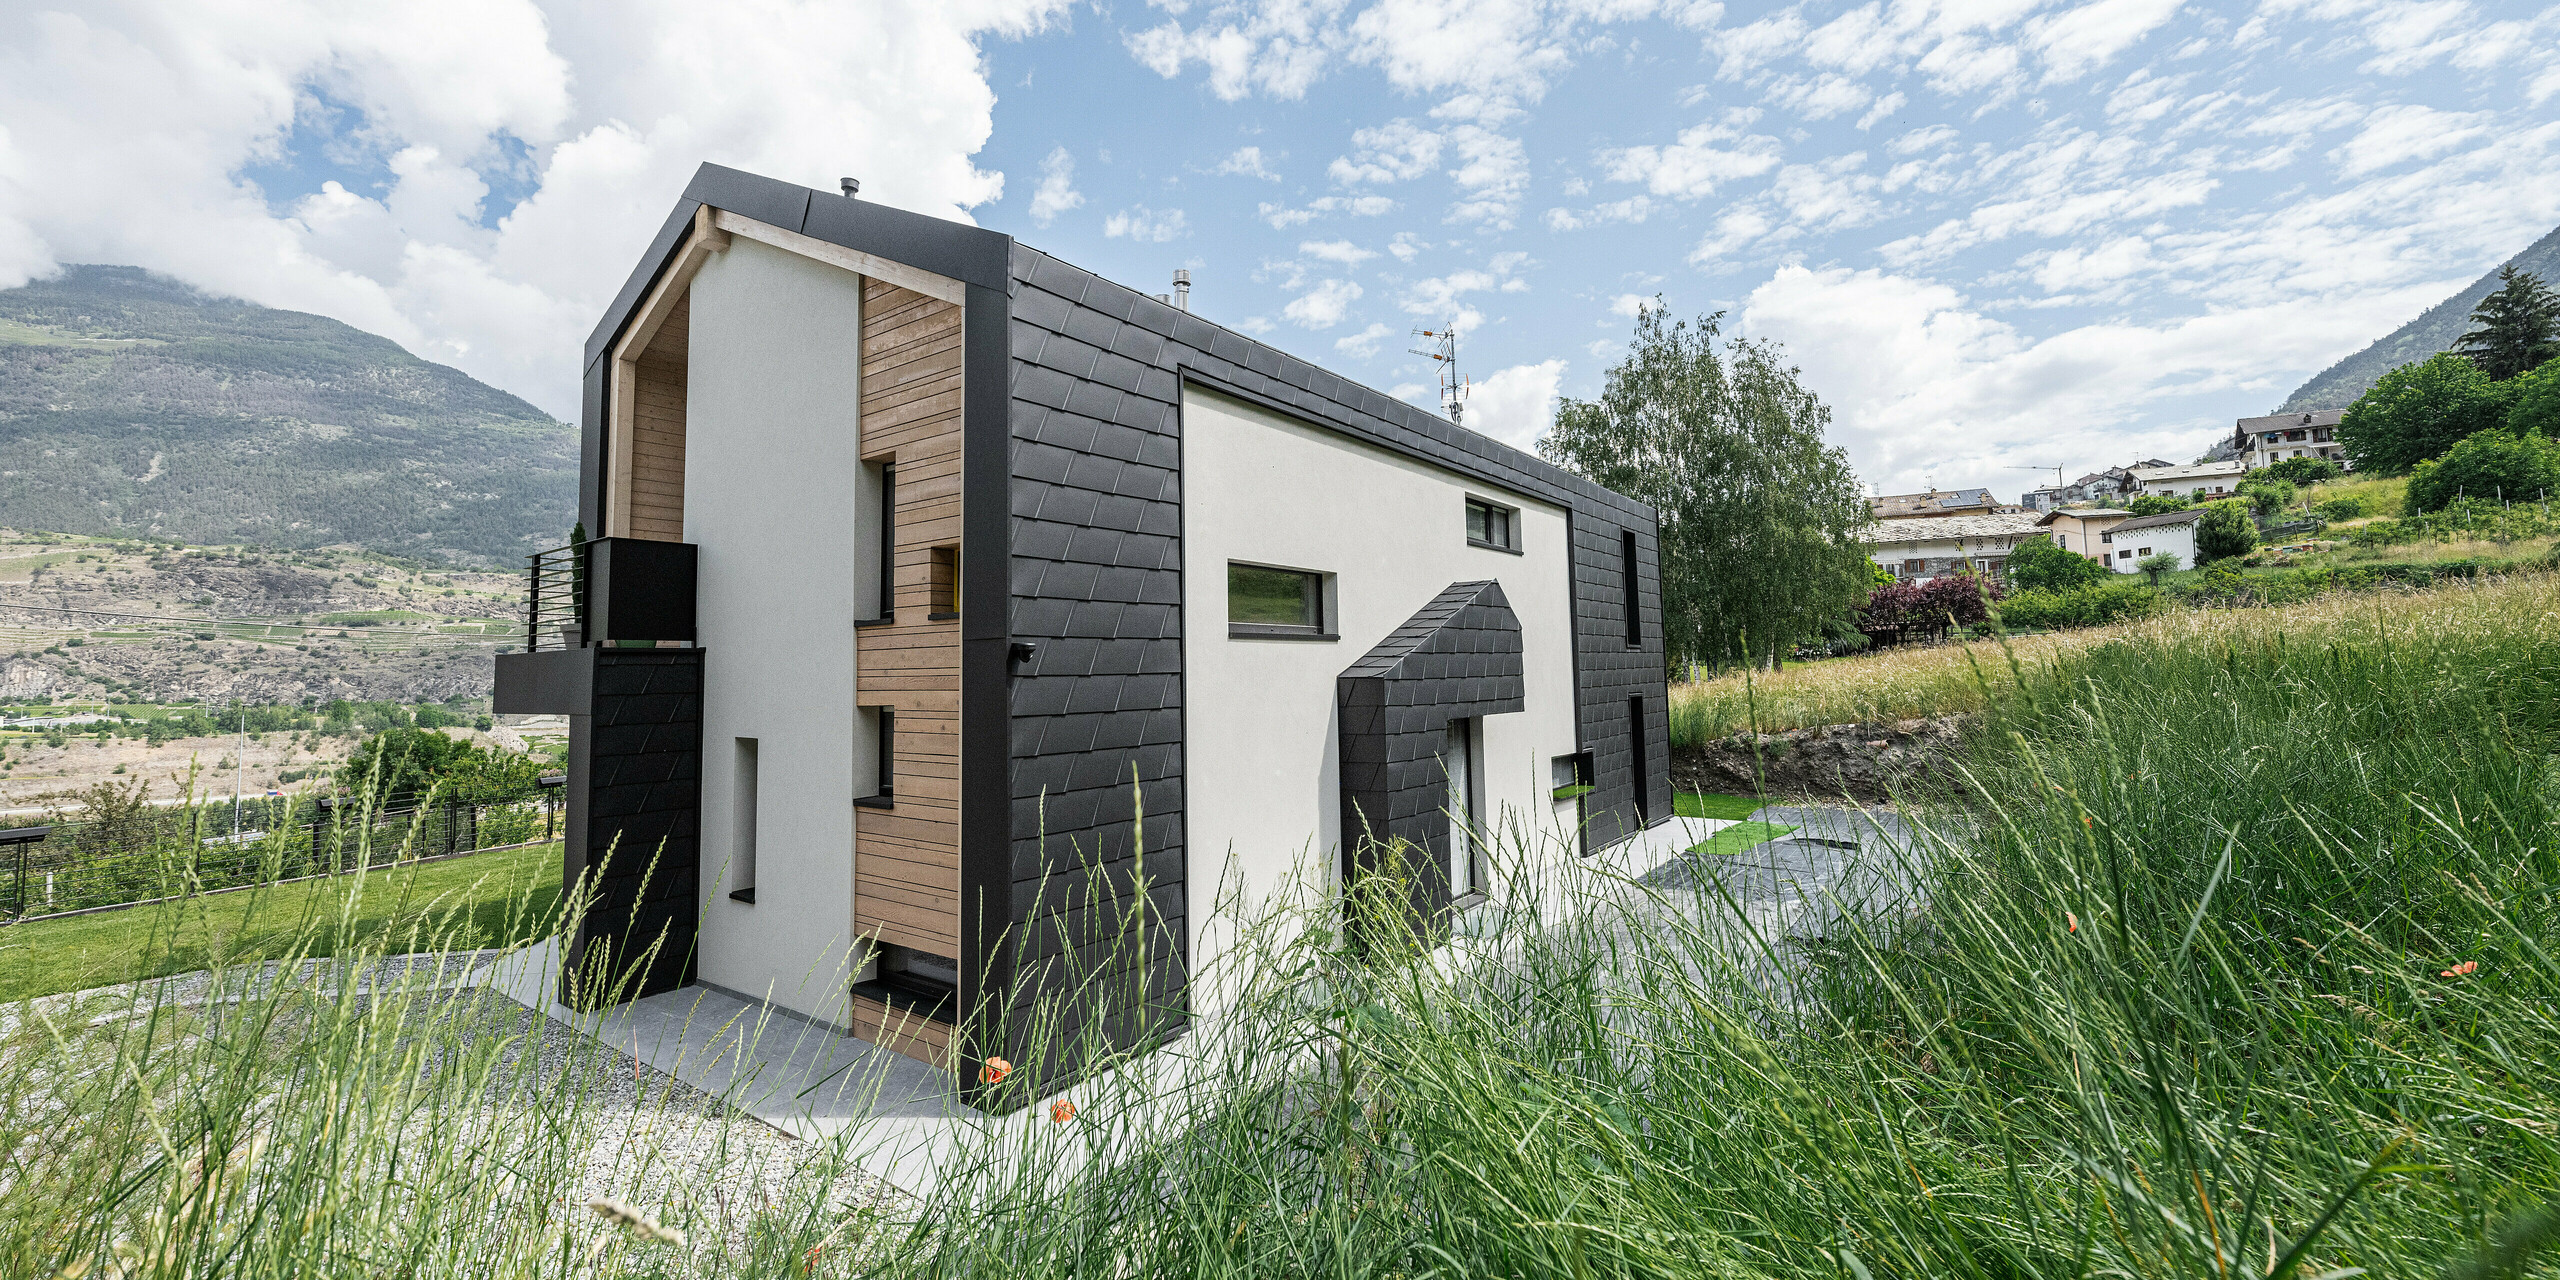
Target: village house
{"points": [[2198, 481], [1918, 549], [2170, 531], [1935, 502], [2260, 442], [2082, 529]]}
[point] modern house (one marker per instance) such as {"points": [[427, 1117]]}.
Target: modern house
{"points": [[1916, 550], [958, 620], [2199, 481], [2131, 540], [2259, 442], [2082, 529], [1935, 502]]}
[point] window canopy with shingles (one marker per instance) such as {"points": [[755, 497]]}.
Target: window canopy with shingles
{"points": [[1457, 658]]}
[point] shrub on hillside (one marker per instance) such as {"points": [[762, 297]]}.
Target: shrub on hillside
{"points": [[2267, 497], [2042, 566], [2300, 471], [2537, 402], [2225, 530], [2152, 504], [2418, 411], [2088, 605], [2351, 506], [2495, 465], [1929, 608]]}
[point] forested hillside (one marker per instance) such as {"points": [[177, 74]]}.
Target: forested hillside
{"points": [[2438, 329], [131, 404]]}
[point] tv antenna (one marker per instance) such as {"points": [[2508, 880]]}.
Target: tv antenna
{"points": [[1453, 386]]}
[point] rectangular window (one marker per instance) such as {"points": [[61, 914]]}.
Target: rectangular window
{"points": [[1267, 601], [1915, 567], [880, 724], [1492, 525], [742, 823], [1627, 569], [1458, 759], [1635, 754], [2124, 555], [944, 579]]}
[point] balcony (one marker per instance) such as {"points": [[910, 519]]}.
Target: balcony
{"points": [[609, 593]]}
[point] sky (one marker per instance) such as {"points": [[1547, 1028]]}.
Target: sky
{"points": [[1994, 236]]}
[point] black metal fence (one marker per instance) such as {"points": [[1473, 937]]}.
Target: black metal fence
{"points": [[177, 851]]}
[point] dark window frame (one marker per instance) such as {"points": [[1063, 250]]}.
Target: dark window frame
{"points": [[888, 532], [1501, 519], [1637, 757], [884, 782], [1322, 629]]}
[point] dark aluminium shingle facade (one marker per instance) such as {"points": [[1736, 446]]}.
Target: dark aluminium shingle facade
{"points": [[1071, 589]]}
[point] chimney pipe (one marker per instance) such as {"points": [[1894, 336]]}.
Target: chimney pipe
{"points": [[850, 186], [1182, 288]]}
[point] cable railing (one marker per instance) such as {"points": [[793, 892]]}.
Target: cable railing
{"points": [[555, 598], [177, 852]]}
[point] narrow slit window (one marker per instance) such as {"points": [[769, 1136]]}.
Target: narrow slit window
{"points": [[880, 726], [1458, 760], [882, 593], [1636, 756], [742, 839], [1264, 601], [1627, 567], [945, 579]]}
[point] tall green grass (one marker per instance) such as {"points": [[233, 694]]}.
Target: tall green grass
{"points": [[2224, 954]]}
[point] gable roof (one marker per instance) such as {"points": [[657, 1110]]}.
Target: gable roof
{"points": [[2083, 513], [2195, 471], [2188, 516], [1996, 524]]}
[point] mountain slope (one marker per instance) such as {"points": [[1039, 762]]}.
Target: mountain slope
{"points": [[133, 404], [2443, 325]]}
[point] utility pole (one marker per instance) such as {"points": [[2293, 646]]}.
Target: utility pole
{"points": [[1453, 387]]}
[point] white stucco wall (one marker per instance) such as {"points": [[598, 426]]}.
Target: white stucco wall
{"points": [[770, 461], [2178, 539], [1262, 782]]}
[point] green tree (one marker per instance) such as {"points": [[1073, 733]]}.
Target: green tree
{"points": [[2537, 404], [2301, 471], [2042, 566], [2224, 530], [2515, 328], [2266, 497], [402, 765], [1759, 516], [2491, 465], [2157, 563], [2152, 504], [2418, 411]]}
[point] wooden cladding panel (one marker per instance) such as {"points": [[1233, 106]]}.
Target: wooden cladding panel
{"points": [[906, 878], [657, 446], [901, 1032]]}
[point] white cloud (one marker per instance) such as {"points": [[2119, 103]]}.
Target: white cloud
{"points": [[1341, 251], [2077, 41], [1516, 405], [1282, 217], [1921, 381], [1323, 306], [1631, 305], [1706, 155], [1246, 162], [1364, 344], [1140, 223], [1882, 111], [1057, 190], [1406, 246], [2401, 133], [129, 125], [1391, 152]]}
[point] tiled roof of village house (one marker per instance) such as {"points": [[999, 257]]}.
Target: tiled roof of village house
{"points": [[2165, 517], [2083, 513], [2201, 469], [1943, 528]]}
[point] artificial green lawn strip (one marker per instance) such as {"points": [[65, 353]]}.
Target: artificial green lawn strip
{"points": [[1740, 836], [477, 895], [1707, 804]]}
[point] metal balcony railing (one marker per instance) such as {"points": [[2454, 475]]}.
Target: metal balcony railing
{"points": [[555, 598]]}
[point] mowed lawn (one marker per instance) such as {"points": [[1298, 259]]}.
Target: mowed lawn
{"points": [[486, 900]]}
